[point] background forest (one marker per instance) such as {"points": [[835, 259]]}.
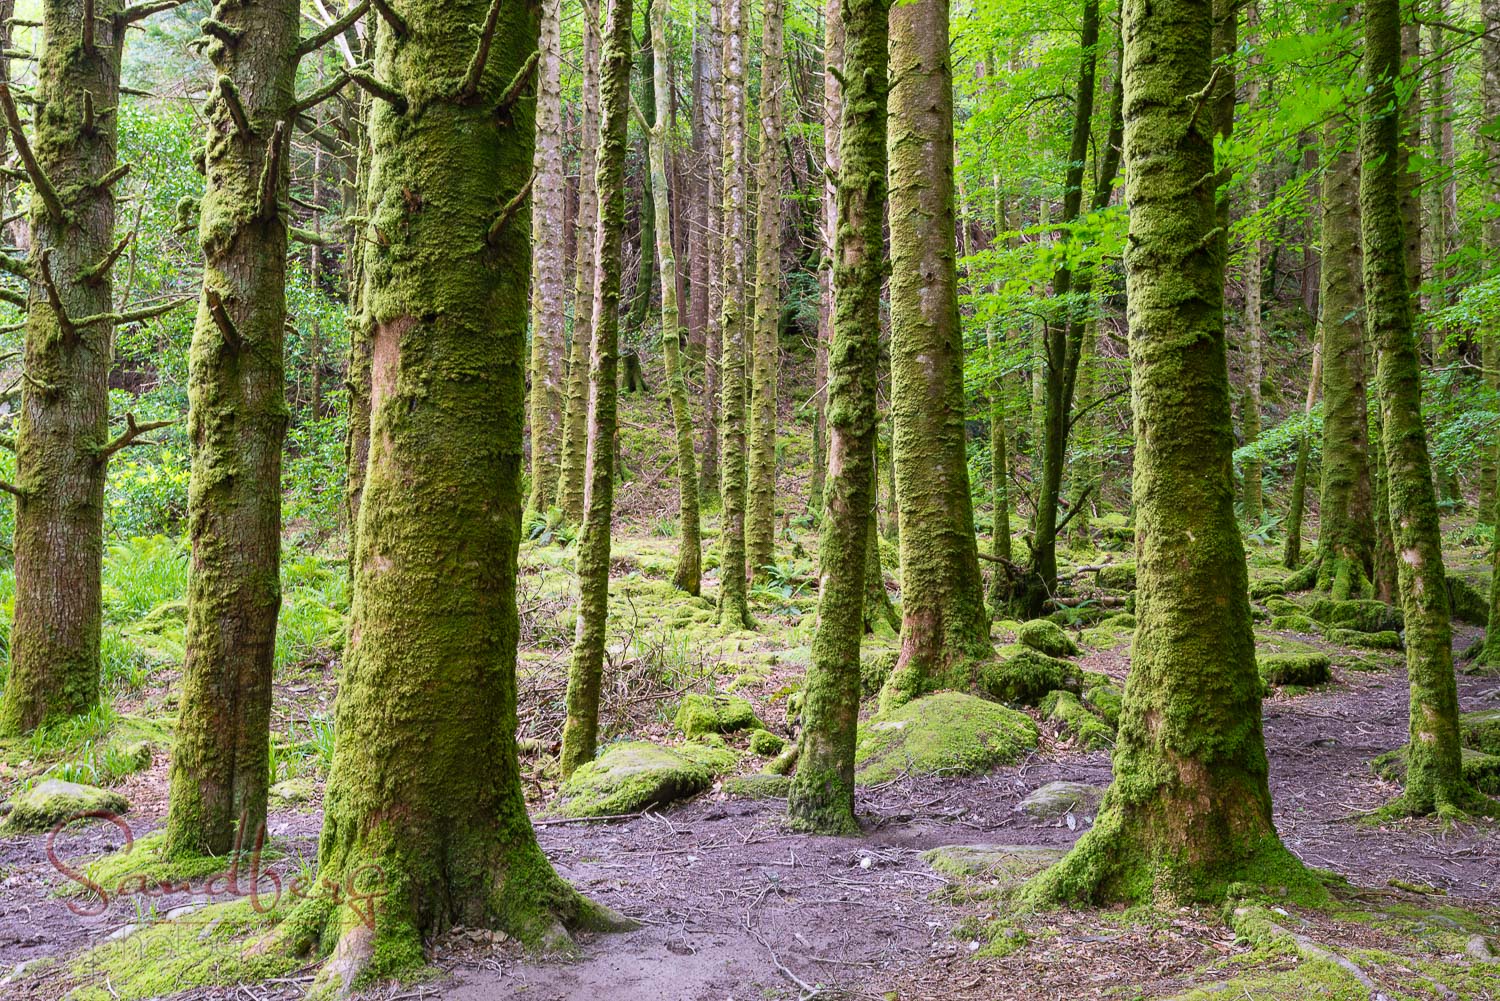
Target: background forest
{"points": [[799, 418]]}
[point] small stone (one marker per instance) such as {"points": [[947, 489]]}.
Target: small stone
{"points": [[1058, 799]]}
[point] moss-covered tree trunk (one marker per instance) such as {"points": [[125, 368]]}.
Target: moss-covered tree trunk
{"points": [[63, 429], [357, 365], [944, 623], [713, 253], [1434, 781], [1084, 477], [1346, 536], [237, 419], [1490, 72], [822, 793], [1296, 508], [879, 612], [1189, 810], [646, 269], [828, 218], [689, 572], [999, 587], [424, 799], [734, 608], [760, 517], [549, 352], [586, 667], [572, 466]]}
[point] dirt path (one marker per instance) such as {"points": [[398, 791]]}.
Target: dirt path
{"points": [[733, 907]]}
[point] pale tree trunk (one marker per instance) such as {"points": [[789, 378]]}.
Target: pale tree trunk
{"points": [[713, 253], [833, 55], [1251, 496], [1490, 74], [1292, 554], [944, 623], [760, 516], [548, 277]]}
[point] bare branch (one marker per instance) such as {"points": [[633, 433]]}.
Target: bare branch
{"points": [[88, 26], [141, 11], [138, 315], [312, 44], [99, 272], [221, 318], [510, 209], [377, 88], [320, 95], [129, 437], [481, 57], [34, 171], [110, 178], [54, 297], [12, 489]]}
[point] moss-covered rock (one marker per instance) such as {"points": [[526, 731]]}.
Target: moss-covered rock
{"points": [[1294, 624], [758, 785], [1057, 799], [1046, 637], [1107, 700], [1077, 721], [1304, 669], [53, 801], [1480, 770], [637, 775], [1117, 577], [948, 733], [1120, 620], [1263, 589], [765, 743], [1282, 606], [292, 792], [1481, 730], [1466, 602], [1023, 675], [874, 667], [1010, 865], [1365, 616], [1385, 640], [699, 714]]}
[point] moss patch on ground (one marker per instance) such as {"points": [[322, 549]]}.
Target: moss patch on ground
{"points": [[636, 775], [944, 734]]}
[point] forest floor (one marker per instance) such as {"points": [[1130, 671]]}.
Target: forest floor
{"points": [[732, 905]]}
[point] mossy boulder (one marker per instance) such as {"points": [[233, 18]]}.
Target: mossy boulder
{"points": [[874, 667], [699, 714], [1298, 623], [52, 801], [765, 743], [758, 785], [636, 775], [1467, 603], [1046, 637], [1058, 799], [1263, 589], [1077, 721], [1117, 577], [292, 792], [1023, 675], [1282, 606], [1386, 640], [944, 734], [1480, 770], [1120, 620], [1481, 730], [1303, 669], [1365, 616], [1009, 865], [1107, 700]]}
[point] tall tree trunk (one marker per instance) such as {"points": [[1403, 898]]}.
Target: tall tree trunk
{"points": [[1189, 811], [688, 574], [237, 417], [645, 272], [822, 793], [833, 56], [1490, 75], [570, 486], [878, 608], [63, 432], [1252, 503], [548, 271], [1434, 780], [357, 372], [425, 786], [586, 668], [734, 609], [944, 623], [1084, 478], [1346, 536], [713, 172], [999, 586], [1292, 554], [760, 517]]}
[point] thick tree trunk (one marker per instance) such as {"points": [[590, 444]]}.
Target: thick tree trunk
{"points": [[689, 571], [425, 787], [822, 793], [1434, 781], [760, 517], [1346, 536], [944, 623], [548, 270], [1189, 811], [237, 417], [581, 731], [734, 609], [571, 472], [63, 429]]}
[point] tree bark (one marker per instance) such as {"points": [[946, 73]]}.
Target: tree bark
{"points": [[548, 273], [760, 518], [833, 56], [1434, 780], [822, 793], [713, 170], [63, 430], [237, 418], [1292, 554], [1189, 811], [585, 671], [424, 796], [1490, 75]]}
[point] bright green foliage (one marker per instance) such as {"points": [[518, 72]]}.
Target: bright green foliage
{"points": [[945, 734]]}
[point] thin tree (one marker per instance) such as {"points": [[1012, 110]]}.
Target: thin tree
{"points": [[828, 217], [1434, 778], [760, 516], [1189, 810], [688, 574], [586, 668], [425, 786], [944, 623], [548, 270], [237, 418], [734, 608], [1252, 503], [63, 442], [1296, 507], [1490, 133], [822, 792], [713, 252]]}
